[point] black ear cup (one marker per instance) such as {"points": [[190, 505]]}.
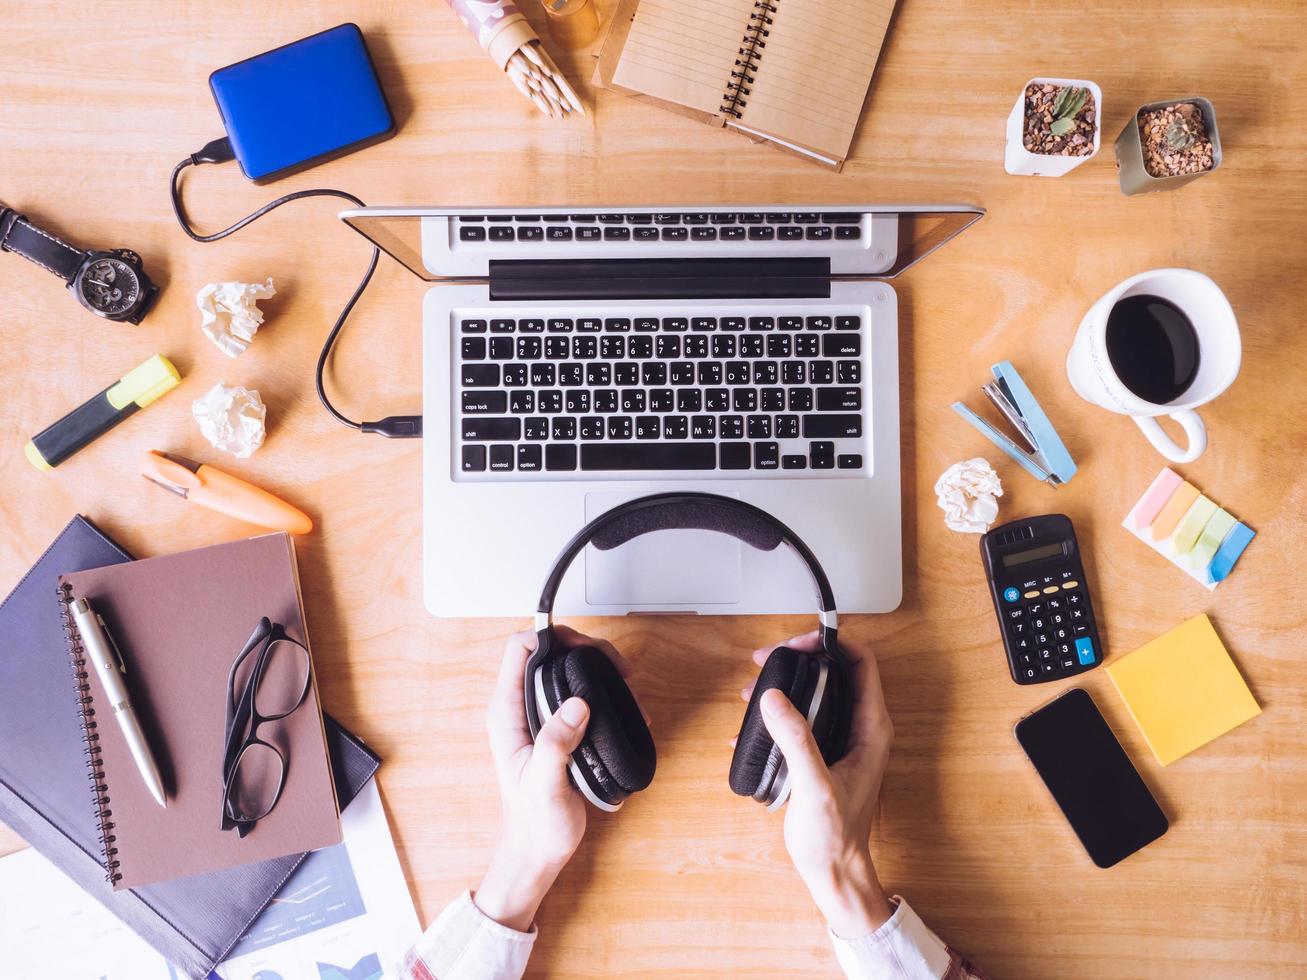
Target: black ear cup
{"points": [[617, 750], [757, 759]]}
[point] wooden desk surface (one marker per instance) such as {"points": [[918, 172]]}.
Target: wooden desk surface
{"points": [[95, 108]]}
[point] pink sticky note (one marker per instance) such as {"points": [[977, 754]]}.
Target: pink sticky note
{"points": [[1155, 498]]}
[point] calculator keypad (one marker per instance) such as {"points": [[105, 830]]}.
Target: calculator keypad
{"points": [[1049, 631]]}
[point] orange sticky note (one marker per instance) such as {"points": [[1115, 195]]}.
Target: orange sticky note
{"points": [[1175, 508]]}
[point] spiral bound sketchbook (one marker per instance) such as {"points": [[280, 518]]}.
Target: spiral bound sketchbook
{"points": [[179, 622], [45, 796], [791, 72]]}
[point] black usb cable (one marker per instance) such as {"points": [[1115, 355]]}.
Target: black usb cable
{"points": [[220, 151]]}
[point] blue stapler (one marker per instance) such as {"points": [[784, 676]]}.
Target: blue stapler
{"points": [[1047, 458]]}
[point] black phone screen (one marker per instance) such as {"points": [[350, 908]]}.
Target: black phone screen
{"points": [[1091, 777]]}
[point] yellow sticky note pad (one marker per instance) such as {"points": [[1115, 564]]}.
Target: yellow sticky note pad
{"points": [[1183, 690]]}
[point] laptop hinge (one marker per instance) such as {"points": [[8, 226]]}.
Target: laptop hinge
{"points": [[572, 279]]}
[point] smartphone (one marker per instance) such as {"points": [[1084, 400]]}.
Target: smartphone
{"points": [[1091, 778]]}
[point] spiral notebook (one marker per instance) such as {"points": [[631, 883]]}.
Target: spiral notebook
{"points": [[45, 797], [791, 72], [179, 621]]}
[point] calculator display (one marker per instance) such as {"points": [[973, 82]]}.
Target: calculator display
{"points": [[1032, 554]]}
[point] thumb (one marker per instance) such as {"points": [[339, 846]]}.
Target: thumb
{"points": [[559, 738], [790, 731]]}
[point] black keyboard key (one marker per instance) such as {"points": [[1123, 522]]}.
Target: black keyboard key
{"points": [[704, 323], [778, 219], [682, 372], [521, 403], [744, 400], [703, 427], [543, 375], [589, 324], [675, 234], [617, 324], [705, 234], [807, 345], [585, 348], [477, 429], [762, 323], [514, 375], [646, 324], [562, 428], [731, 323], [502, 326], [480, 375], [723, 346], [472, 234], [501, 348], [817, 233], [499, 217], [772, 400], [676, 324], [648, 427], [849, 461], [722, 217], [832, 426], [737, 372], [661, 400], [735, 455], [639, 219], [823, 373], [501, 233], [849, 372], [800, 399], [528, 459], [605, 400], [526, 217], [751, 218], [762, 233], [676, 427], [694, 219], [556, 233], [586, 233], [485, 402], [787, 427], [612, 348], [807, 218], [531, 325], [474, 326], [717, 399], [640, 348], [751, 345], [709, 373], [501, 458], [583, 219], [474, 459], [621, 234], [529, 348], [847, 323], [793, 373], [577, 402], [794, 462], [766, 372], [592, 427], [731, 427], [819, 323], [474, 348], [535, 430], [555, 217], [790, 322], [758, 426], [646, 234], [650, 456], [530, 233], [732, 233], [766, 456], [842, 217], [620, 427], [779, 345], [557, 349], [653, 373], [846, 232], [839, 399], [560, 457], [789, 233], [633, 400], [689, 400], [667, 218], [610, 219], [841, 345], [560, 325], [696, 346], [471, 217]]}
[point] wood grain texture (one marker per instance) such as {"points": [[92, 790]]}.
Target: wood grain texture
{"points": [[688, 880]]}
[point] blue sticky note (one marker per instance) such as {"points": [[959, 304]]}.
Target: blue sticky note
{"points": [[1229, 551]]}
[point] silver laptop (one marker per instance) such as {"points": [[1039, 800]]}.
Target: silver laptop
{"points": [[576, 358]]}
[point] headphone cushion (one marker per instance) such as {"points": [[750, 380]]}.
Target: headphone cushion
{"points": [[617, 745], [756, 758]]}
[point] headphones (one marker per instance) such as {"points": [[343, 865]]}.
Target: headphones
{"points": [[616, 757]]}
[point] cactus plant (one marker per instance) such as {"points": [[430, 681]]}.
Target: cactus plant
{"points": [[1070, 100]]}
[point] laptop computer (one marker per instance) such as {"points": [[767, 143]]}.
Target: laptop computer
{"points": [[574, 358]]}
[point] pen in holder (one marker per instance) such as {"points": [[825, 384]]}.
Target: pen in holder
{"points": [[514, 46]]}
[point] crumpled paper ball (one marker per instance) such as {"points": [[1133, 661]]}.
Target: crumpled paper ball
{"points": [[229, 314], [968, 495], [231, 418]]}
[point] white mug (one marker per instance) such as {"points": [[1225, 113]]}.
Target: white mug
{"points": [[1201, 300]]}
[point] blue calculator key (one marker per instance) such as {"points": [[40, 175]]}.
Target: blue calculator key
{"points": [[1085, 650], [1011, 594]]}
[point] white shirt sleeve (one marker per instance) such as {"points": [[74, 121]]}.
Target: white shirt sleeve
{"points": [[466, 944], [901, 949]]}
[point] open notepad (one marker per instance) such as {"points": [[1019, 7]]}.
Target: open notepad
{"points": [[793, 72]]}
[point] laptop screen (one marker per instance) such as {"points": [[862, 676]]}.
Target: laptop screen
{"points": [[861, 242]]}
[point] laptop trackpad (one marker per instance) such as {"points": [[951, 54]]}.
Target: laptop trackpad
{"points": [[665, 568]]}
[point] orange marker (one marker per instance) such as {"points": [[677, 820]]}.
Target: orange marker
{"points": [[212, 488]]}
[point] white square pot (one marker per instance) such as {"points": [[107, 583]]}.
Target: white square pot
{"points": [[1018, 160]]}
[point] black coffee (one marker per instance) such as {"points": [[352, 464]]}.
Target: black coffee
{"points": [[1153, 348]]}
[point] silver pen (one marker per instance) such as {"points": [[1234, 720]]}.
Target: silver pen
{"points": [[110, 668]]}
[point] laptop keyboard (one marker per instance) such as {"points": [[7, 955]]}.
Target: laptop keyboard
{"points": [[584, 395], [679, 226]]}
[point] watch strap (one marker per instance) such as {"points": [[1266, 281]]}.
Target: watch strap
{"points": [[17, 234]]}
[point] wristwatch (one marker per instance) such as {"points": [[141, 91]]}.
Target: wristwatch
{"points": [[109, 284]]}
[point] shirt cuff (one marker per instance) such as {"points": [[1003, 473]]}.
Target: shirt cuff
{"points": [[466, 944], [902, 948]]}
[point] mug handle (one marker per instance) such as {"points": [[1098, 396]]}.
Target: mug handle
{"points": [[1164, 444]]}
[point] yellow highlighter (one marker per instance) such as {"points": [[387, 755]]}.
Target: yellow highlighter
{"points": [[86, 423], [212, 488]]}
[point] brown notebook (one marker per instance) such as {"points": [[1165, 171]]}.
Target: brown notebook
{"points": [[791, 72], [180, 621]]}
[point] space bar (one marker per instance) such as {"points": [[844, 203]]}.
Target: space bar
{"points": [[658, 456]]}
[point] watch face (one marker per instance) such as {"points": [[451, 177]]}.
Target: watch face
{"points": [[109, 286]]}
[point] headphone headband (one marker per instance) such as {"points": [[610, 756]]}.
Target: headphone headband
{"points": [[701, 511]]}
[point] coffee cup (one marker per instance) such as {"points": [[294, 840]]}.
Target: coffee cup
{"points": [[1161, 343]]}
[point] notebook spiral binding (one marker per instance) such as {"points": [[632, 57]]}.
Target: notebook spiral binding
{"points": [[735, 98], [91, 738]]}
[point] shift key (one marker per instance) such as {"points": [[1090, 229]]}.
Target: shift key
{"points": [[832, 426], [480, 429]]}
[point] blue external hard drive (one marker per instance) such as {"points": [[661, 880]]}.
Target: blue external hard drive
{"points": [[302, 104]]}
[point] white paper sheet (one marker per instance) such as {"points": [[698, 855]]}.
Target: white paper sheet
{"points": [[346, 914]]}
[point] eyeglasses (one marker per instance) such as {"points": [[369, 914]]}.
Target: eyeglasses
{"points": [[264, 688]]}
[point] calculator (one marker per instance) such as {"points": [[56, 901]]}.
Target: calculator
{"points": [[1041, 597]]}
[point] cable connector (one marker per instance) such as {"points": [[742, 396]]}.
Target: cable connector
{"points": [[215, 151], [396, 427]]}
